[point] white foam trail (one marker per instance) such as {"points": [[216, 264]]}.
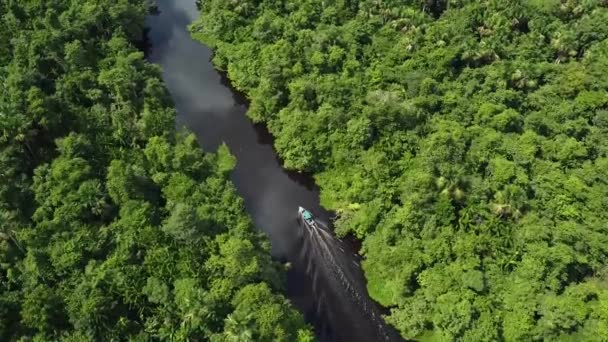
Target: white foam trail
{"points": [[322, 248]]}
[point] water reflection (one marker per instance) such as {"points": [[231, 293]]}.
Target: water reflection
{"points": [[210, 109]]}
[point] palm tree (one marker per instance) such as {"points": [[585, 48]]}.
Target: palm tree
{"points": [[237, 329]]}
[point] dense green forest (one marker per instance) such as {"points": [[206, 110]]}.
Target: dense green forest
{"points": [[113, 226], [465, 141]]}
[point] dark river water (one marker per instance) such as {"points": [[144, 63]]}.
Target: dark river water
{"points": [[325, 282]]}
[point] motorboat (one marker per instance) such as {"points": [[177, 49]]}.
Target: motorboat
{"points": [[307, 217]]}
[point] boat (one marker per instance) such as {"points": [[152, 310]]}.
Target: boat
{"points": [[307, 217]]}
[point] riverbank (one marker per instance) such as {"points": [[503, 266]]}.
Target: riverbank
{"points": [[114, 226], [443, 139], [207, 106]]}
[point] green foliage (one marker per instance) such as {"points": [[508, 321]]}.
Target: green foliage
{"points": [[113, 227], [261, 316], [466, 143]]}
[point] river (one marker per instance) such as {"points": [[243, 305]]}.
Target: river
{"points": [[207, 106]]}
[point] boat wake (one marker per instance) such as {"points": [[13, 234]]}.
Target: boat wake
{"points": [[338, 284]]}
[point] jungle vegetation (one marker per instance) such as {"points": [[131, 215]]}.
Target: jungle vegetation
{"points": [[464, 141], [113, 225]]}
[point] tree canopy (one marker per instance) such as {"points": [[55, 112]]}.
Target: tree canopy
{"points": [[113, 226], [466, 143]]}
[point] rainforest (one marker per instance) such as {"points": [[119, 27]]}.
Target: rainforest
{"points": [[113, 225], [465, 142]]}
